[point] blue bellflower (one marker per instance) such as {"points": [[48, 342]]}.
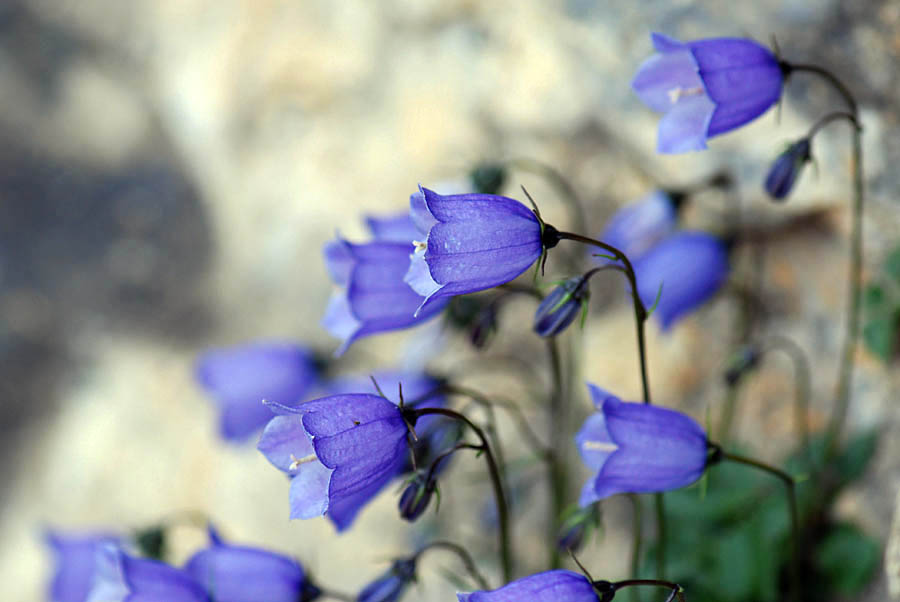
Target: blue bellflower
{"points": [[706, 88], [374, 297], [392, 228], [561, 306], [551, 586], [638, 448], [638, 226], [240, 378], [390, 586], [786, 169], [123, 578], [75, 560], [689, 266], [472, 242], [245, 574], [339, 450]]}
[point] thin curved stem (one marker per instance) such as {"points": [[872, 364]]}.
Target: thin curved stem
{"points": [[789, 483], [802, 384], [676, 590], [496, 481], [838, 85], [463, 555], [556, 464], [829, 118]]}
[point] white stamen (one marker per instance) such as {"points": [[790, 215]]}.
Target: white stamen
{"points": [[421, 245], [675, 94], [296, 462], [600, 446]]}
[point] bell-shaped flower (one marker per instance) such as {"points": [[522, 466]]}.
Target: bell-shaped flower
{"points": [[706, 88], [240, 378], [638, 226], [246, 574], [561, 306], [373, 297], [340, 451], [471, 242], [786, 169], [638, 448], [75, 560], [551, 586], [683, 272], [123, 578], [397, 227], [390, 586]]}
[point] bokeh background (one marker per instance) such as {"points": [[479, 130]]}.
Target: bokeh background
{"points": [[169, 170]]}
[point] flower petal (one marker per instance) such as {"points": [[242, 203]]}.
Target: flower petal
{"points": [[393, 228], [550, 586], [309, 490], [244, 574], [662, 79], [284, 441], [684, 127]]}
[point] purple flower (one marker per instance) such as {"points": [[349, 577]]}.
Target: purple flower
{"points": [[244, 574], [340, 452], [75, 562], [636, 227], [706, 88], [391, 585], [122, 578], [689, 266], [392, 228], [240, 378], [375, 297], [472, 242], [786, 169], [561, 306], [551, 586], [638, 448]]}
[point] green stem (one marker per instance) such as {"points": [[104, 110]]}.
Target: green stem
{"points": [[637, 529], [788, 481], [676, 590], [463, 555], [496, 481], [556, 464], [801, 385]]}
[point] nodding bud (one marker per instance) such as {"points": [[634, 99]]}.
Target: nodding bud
{"points": [[561, 306], [786, 169], [152, 542], [576, 527], [742, 361], [417, 496], [389, 587], [309, 591], [483, 327], [488, 178]]}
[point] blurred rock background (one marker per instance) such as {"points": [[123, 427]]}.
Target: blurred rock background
{"points": [[170, 168]]}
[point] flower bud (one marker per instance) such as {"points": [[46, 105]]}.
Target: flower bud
{"points": [[391, 585], [741, 362], [416, 496], [786, 169], [576, 527], [560, 307]]}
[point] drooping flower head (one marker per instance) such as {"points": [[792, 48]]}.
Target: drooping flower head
{"points": [[123, 578], [706, 88], [638, 448], [75, 560], [340, 451], [239, 379], [391, 585], [246, 574], [373, 297], [684, 271], [787, 168], [551, 586], [397, 227], [561, 306], [636, 227], [472, 242]]}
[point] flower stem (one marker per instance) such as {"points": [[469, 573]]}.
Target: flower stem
{"points": [[788, 481], [496, 481], [463, 555], [676, 590], [640, 312], [637, 528], [802, 384], [556, 463]]}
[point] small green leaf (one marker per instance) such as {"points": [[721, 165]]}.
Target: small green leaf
{"points": [[854, 458], [880, 336], [848, 559]]}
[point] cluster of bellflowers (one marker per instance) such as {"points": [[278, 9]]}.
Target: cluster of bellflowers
{"points": [[343, 440]]}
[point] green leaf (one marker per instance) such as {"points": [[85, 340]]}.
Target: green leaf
{"points": [[854, 458], [874, 298], [848, 559], [880, 336], [892, 264]]}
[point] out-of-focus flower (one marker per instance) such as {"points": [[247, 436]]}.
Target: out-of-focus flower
{"points": [[472, 242], [417, 495], [551, 586], [398, 227], [688, 266], [636, 227], [240, 378], [340, 451], [391, 585], [786, 169], [375, 297], [75, 560], [561, 306], [577, 525], [706, 88], [123, 578], [245, 574], [638, 448]]}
